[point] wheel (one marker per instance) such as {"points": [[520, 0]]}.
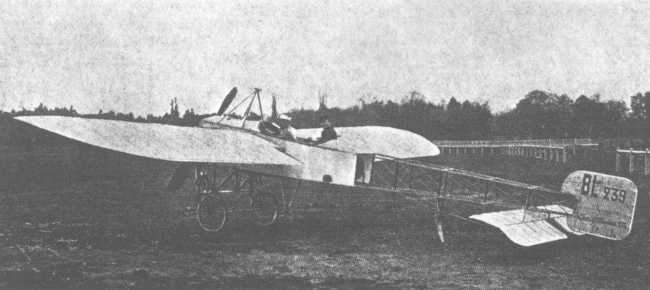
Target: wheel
{"points": [[264, 208], [211, 213]]}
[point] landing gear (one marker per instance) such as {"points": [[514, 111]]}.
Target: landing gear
{"points": [[264, 209], [216, 203], [211, 213]]}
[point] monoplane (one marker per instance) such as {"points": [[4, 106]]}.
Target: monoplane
{"points": [[368, 157]]}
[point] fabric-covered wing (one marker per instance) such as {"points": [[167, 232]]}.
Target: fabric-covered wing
{"points": [[376, 140], [165, 142]]}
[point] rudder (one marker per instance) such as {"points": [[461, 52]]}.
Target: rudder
{"points": [[605, 204]]}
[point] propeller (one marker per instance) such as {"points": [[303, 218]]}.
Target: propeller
{"points": [[227, 100]]}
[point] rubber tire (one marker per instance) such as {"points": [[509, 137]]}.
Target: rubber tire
{"points": [[220, 209], [264, 200]]}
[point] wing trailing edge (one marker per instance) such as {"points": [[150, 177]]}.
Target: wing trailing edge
{"points": [[529, 228]]}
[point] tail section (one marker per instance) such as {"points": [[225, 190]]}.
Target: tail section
{"points": [[604, 207], [605, 204]]}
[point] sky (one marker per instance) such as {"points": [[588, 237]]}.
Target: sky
{"points": [[134, 56]]}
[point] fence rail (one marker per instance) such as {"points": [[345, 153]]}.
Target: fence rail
{"points": [[547, 142], [554, 150]]}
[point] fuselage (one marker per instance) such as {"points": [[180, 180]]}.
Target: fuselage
{"points": [[317, 163]]}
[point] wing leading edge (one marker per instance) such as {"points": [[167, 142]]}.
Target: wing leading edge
{"points": [[165, 142]]}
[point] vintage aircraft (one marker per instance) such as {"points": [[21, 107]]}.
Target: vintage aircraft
{"points": [[370, 157]]}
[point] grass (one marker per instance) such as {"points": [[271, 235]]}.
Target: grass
{"points": [[113, 225]]}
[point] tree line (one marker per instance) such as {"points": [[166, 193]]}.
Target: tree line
{"points": [[539, 114], [173, 117]]}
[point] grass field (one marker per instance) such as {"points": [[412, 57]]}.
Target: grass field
{"points": [[112, 225]]}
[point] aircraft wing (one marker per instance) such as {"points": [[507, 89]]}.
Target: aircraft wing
{"points": [[376, 140], [165, 142]]}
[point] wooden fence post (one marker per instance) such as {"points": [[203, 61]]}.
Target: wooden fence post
{"points": [[526, 151], [631, 157], [646, 163], [617, 167], [575, 143]]}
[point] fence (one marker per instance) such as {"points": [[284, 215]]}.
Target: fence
{"points": [[554, 150], [547, 142], [632, 157]]}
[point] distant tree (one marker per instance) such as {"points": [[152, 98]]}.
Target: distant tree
{"points": [[640, 104], [615, 120], [542, 114], [588, 115], [322, 102], [539, 114], [453, 105]]}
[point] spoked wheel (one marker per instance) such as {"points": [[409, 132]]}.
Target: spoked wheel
{"points": [[264, 208], [211, 213]]}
